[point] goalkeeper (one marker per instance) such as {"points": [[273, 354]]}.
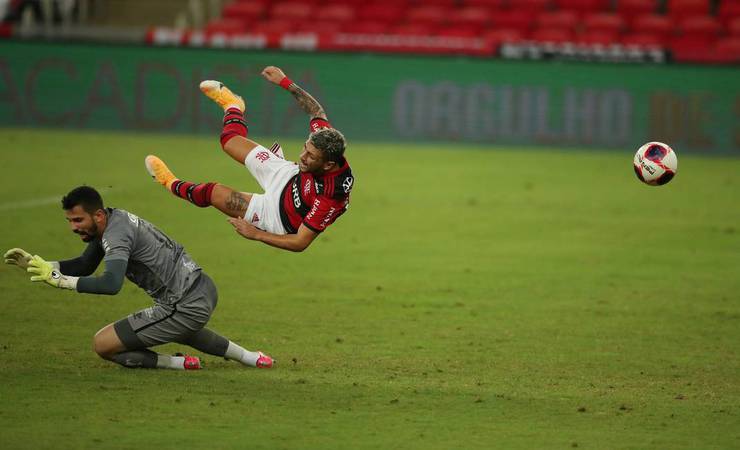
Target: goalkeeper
{"points": [[184, 296]]}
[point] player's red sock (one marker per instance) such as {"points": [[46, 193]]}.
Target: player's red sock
{"points": [[234, 125], [198, 194]]}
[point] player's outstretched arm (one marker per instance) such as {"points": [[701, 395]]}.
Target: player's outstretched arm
{"points": [[108, 283], [307, 103], [84, 264], [293, 242]]}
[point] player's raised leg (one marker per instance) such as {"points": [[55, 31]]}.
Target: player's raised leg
{"points": [[234, 134], [225, 199]]}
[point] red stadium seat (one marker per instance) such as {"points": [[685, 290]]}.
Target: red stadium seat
{"points": [[466, 32], [644, 39], [504, 35], [728, 49], [319, 26], [690, 49], [604, 37], [531, 5], [684, 8], [412, 29], [245, 11], [733, 27], [291, 11], [431, 15], [521, 19], [630, 8], [583, 6], [389, 13], [557, 19], [367, 27], [274, 26], [444, 3], [556, 35], [226, 26], [475, 16], [337, 12], [700, 27], [653, 23], [728, 10], [492, 4], [352, 3], [609, 22]]}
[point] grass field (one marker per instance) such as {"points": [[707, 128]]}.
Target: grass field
{"points": [[470, 298]]}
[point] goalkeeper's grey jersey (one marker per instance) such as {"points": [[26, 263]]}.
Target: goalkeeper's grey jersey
{"points": [[156, 263]]}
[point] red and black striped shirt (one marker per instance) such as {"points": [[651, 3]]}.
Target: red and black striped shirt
{"points": [[316, 201]]}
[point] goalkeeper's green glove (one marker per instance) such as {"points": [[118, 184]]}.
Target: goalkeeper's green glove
{"points": [[17, 257], [46, 272]]}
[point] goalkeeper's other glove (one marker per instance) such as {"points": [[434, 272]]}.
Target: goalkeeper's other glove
{"points": [[18, 257], [46, 272]]}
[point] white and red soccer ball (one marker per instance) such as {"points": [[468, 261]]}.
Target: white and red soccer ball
{"points": [[655, 163]]}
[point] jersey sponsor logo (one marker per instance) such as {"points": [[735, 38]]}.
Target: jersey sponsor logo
{"points": [[296, 196], [255, 218], [314, 208], [347, 184], [262, 156], [134, 219], [329, 216]]}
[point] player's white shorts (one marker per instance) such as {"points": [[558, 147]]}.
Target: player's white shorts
{"points": [[272, 172]]}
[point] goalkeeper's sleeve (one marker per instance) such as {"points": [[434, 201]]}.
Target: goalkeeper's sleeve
{"points": [[109, 283], [84, 264]]}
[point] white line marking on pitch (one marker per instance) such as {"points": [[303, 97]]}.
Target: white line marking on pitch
{"points": [[44, 201]]}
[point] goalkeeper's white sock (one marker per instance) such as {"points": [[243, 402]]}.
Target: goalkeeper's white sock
{"points": [[170, 362], [244, 356]]}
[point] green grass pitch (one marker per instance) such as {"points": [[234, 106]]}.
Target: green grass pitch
{"points": [[471, 298]]}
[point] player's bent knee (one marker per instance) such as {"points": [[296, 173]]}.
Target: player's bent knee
{"points": [[106, 343], [100, 348]]}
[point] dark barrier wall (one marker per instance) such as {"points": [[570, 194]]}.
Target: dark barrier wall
{"points": [[373, 97]]}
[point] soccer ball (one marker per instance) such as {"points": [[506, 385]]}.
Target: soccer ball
{"points": [[655, 163]]}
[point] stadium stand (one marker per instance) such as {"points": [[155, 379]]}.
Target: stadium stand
{"points": [[692, 31]]}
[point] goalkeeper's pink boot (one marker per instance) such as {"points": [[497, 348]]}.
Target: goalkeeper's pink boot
{"points": [[264, 361], [192, 363]]}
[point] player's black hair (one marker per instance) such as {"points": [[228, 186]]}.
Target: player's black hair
{"points": [[85, 196], [330, 142]]}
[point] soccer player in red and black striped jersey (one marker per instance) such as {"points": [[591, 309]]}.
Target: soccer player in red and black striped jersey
{"points": [[300, 199]]}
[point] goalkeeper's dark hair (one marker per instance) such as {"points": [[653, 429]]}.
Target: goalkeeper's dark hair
{"points": [[84, 196], [331, 143]]}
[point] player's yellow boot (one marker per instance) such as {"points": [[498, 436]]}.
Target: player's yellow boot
{"points": [[159, 171], [216, 91]]}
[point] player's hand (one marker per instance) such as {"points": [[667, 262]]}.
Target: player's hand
{"points": [[47, 273], [18, 257], [273, 74], [244, 228]]}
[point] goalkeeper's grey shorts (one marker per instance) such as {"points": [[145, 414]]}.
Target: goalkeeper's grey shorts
{"points": [[161, 324]]}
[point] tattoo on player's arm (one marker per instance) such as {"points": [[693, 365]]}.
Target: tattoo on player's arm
{"points": [[307, 102], [237, 204]]}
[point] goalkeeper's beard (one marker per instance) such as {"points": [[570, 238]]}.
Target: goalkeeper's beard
{"points": [[88, 235]]}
